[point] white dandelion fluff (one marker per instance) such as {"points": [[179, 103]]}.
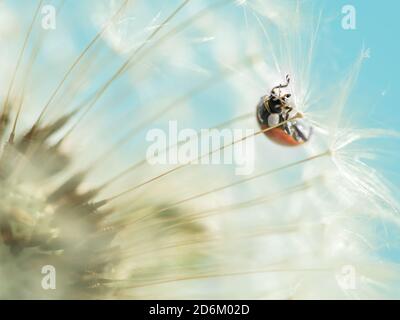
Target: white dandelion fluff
{"points": [[78, 193]]}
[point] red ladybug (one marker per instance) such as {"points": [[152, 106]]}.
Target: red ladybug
{"points": [[275, 109]]}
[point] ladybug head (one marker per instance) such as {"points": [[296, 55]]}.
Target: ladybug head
{"points": [[284, 100]]}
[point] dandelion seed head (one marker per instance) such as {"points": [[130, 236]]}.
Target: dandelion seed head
{"points": [[75, 194]]}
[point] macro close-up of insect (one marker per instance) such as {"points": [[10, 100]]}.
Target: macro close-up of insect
{"points": [[275, 109], [198, 150]]}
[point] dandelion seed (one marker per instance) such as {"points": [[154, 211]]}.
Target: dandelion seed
{"points": [[80, 197]]}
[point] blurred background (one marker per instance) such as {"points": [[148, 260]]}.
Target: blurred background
{"points": [[209, 65]]}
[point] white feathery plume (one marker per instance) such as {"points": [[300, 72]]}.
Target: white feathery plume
{"points": [[81, 197]]}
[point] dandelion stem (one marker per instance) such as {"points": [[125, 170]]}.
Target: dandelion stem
{"points": [[77, 61], [108, 83], [192, 161], [24, 85], [182, 26], [236, 183], [144, 161], [286, 228], [22, 98], [3, 117], [249, 203], [249, 61], [224, 274]]}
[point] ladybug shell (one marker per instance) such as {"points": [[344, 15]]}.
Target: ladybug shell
{"points": [[278, 134]]}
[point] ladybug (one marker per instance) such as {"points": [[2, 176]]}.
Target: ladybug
{"points": [[274, 109]]}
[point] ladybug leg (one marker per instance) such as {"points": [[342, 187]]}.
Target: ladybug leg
{"points": [[299, 136], [286, 116], [287, 127], [287, 113]]}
